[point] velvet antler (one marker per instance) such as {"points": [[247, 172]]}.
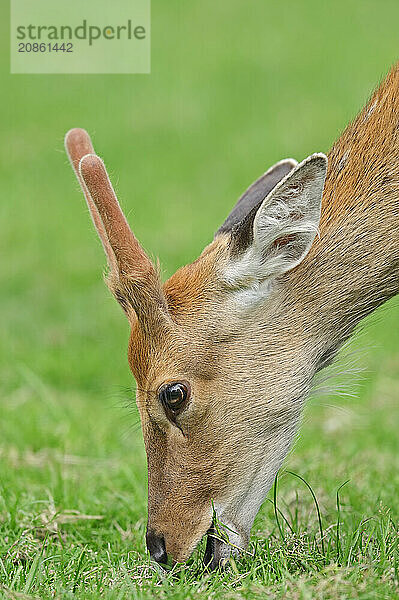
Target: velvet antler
{"points": [[133, 278]]}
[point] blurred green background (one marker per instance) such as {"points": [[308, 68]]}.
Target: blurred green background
{"points": [[234, 87]]}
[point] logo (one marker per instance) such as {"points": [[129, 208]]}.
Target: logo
{"points": [[50, 36]]}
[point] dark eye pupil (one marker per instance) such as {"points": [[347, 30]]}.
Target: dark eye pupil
{"points": [[173, 396]]}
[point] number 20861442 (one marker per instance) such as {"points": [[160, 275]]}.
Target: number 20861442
{"points": [[43, 47]]}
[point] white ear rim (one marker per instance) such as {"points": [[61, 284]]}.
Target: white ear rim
{"points": [[283, 161]]}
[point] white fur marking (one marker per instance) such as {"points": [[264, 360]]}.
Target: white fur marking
{"points": [[370, 111]]}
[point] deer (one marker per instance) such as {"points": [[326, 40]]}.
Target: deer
{"points": [[225, 352]]}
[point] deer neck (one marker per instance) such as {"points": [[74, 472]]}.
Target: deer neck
{"points": [[353, 267]]}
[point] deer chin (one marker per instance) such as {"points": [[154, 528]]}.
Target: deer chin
{"points": [[233, 520]]}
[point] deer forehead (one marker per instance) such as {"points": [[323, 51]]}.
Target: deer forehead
{"points": [[183, 347], [194, 289], [171, 356]]}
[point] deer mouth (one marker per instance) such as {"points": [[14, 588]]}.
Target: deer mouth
{"points": [[217, 550]]}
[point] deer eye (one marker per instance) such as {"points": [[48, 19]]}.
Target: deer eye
{"points": [[174, 397]]}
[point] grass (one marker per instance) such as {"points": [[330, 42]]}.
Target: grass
{"points": [[235, 86]]}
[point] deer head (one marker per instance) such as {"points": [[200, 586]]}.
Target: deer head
{"points": [[224, 353], [220, 364]]}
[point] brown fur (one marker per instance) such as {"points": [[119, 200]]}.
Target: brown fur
{"points": [[353, 267]]}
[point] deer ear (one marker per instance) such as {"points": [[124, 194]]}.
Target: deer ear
{"points": [[276, 236], [252, 197]]}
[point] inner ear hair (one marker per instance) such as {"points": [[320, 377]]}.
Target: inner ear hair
{"points": [[292, 185], [276, 236]]}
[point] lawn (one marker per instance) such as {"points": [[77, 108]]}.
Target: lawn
{"points": [[235, 86]]}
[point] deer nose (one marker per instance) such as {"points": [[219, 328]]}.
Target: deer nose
{"points": [[156, 547]]}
